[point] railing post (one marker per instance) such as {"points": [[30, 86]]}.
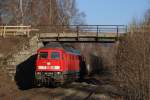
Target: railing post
{"points": [[38, 36], [62, 28], [126, 29], [14, 33], [97, 33], [28, 31], [38, 33], [77, 27], [59, 32], [58, 36], [117, 32], [0, 31], [4, 32]]}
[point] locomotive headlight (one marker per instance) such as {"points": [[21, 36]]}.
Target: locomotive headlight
{"points": [[55, 67], [48, 63], [38, 73], [42, 67]]}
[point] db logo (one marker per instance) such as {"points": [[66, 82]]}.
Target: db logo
{"points": [[48, 63]]}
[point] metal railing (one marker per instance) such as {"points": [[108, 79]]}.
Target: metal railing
{"points": [[81, 31], [15, 30], [81, 28]]}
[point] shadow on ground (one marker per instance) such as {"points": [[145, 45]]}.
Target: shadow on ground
{"points": [[25, 73]]}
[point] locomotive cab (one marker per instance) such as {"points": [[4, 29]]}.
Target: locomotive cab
{"points": [[48, 66], [49, 61]]}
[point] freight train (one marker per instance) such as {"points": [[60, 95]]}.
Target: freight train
{"points": [[57, 65]]}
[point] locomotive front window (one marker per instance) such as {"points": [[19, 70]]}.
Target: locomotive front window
{"points": [[55, 55], [43, 55]]}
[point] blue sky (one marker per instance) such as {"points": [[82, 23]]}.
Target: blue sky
{"points": [[113, 11]]}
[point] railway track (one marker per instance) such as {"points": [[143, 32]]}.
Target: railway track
{"points": [[93, 90], [91, 94], [75, 91]]}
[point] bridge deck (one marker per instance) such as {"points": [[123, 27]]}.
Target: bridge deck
{"points": [[81, 37], [94, 33]]}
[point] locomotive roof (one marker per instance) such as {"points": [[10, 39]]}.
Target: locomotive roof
{"points": [[65, 47]]}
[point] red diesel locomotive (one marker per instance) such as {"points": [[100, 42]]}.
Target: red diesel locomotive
{"points": [[57, 65]]}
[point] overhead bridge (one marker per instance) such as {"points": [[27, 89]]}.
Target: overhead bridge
{"points": [[81, 33], [68, 33]]}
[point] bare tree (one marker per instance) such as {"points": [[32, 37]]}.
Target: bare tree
{"points": [[40, 12], [133, 64]]}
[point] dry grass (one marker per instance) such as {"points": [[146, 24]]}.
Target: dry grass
{"points": [[133, 65]]}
